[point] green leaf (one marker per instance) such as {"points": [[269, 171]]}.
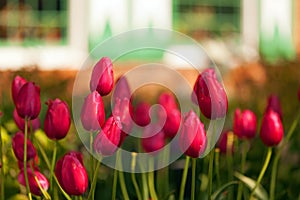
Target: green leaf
{"points": [[260, 191], [18, 197], [217, 193]]}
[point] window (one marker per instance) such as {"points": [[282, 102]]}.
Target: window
{"points": [[33, 22], [206, 18]]}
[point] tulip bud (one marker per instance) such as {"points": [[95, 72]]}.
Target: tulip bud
{"points": [[172, 124], [193, 136], [226, 142], [274, 104], [244, 124], [18, 147], [122, 89], [20, 122], [210, 95], [123, 111], [92, 112], [33, 185], [57, 121], [271, 132], [28, 103], [153, 139], [17, 83], [141, 114], [168, 102], [71, 173], [108, 139], [102, 79]]}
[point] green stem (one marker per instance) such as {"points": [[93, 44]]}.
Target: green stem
{"points": [[91, 156], [145, 187], [25, 160], [184, 176], [229, 160], [217, 163], [114, 189], [273, 175], [210, 173], [53, 163], [133, 178], [94, 182], [2, 164], [194, 162], [244, 156], [121, 176], [262, 172], [162, 175], [151, 180]]}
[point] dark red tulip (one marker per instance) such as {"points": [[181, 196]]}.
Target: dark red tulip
{"points": [[153, 139], [244, 124], [224, 144], [30, 163], [274, 104], [192, 139], [71, 173], [20, 122], [33, 185], [108, 139], [168, 101], [102, 79], [17, 83], [57, 121], [92, 112], [122, 89], [210, 95], [141, 114], [28, 103], [172, 124], [271, 132], [18, 147]]}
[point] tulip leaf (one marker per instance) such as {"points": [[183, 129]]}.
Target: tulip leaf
{"points": [[217, 193], [259, 192], [19, 197]]}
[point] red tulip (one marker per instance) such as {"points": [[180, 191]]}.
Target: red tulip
{"points": [[153, 139], [17, 83], [271, 132], [33, 185], [123, 110], [92, 112], [28, 103], [141, 114], [244, 124], [210, 95], [193, 136], [30, 163], [18, 147], [168, 102], [71, 173], [172, 124], [108, 139], [122, 89], [57, 121], [223, 143], [274, 104], [20, 122], [102, 79]]}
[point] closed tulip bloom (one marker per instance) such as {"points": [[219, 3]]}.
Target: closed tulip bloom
{"points": [[168, 101], [108, 139], [33, 185], [244, 124], [271, 132], [141, 114], [102, 79], [122, 89], [20, 122], [57, 121], [17, 83], [192, 136], [92, 112], [153, 139], [28, 103], [172, 123], [18, 147], [71, 173], [274, 104], [210, 95], [123, 110]]}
